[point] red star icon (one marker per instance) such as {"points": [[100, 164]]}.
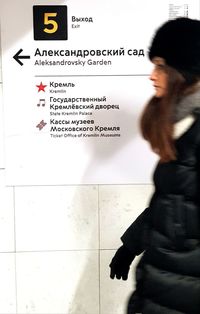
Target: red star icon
{"points": [[41, 87]]}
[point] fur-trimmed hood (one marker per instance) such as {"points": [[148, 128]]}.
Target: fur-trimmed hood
{"points": [[188, 105]]}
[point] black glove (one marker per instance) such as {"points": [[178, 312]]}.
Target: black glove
{"points": [[120, 263]]}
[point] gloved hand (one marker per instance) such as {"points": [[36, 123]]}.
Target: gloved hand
{"points": [[120, 263]]}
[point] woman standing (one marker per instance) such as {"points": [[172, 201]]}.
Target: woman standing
{"points": [[168, 231]]}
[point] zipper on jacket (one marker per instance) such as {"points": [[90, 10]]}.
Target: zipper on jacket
{"points": [[179, 221]]}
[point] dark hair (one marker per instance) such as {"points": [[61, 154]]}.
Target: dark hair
{"points": [[156, 122]]}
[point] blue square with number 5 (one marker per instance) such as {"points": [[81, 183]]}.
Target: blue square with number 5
{"points": [[50, 22]]}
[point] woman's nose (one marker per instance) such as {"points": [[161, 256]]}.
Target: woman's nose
{"points": [[152, 76]]}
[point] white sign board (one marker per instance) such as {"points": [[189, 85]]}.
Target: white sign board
{"points": [[75, 77]]}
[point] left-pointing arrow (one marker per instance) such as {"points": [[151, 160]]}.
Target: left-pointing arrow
{"points": [[17, 57]]}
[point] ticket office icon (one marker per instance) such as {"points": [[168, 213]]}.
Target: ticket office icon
{"points": [[50, 22]]}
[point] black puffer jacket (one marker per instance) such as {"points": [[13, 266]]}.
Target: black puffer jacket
{"points": [[168, 231]]}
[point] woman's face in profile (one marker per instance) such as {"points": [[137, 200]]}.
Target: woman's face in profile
{"points": [[159, 76]]}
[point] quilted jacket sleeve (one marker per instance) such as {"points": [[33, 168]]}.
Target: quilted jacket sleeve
{"points": [[198, 171], [135, 236]]}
